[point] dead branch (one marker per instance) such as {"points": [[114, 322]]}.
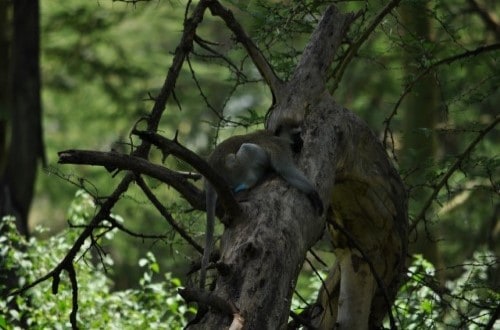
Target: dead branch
{"points": [[138, 165], [308, 80], [324, 43]]}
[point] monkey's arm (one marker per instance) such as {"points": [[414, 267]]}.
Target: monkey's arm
{"points": [[288, 171], [211, 200]]}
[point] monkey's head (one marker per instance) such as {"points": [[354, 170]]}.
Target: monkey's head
{"points": [[291, 131]]}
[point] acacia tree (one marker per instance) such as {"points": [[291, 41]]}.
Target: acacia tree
{"points": [[266, 239], [267, 236]]}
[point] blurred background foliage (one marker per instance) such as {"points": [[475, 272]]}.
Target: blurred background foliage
{"points": [[103, 61]]}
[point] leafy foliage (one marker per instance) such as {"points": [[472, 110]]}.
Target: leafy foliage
{"points": [[467, 302], [154, 304]]}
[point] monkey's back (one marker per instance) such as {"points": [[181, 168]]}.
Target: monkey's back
{"points": [[272, 144], [263, 138]]}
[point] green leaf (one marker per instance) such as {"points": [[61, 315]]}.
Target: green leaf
{"points": [[426, 306], [155, 267]]}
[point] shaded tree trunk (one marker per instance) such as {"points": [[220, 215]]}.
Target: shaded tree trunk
{"points": [[22, 113], [20, 119], [421, 116]]}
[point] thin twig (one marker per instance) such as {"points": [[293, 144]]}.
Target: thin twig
{"points": [[448, 60], [164, 212]]}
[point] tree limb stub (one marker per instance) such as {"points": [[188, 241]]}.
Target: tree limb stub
{"points": [[308, 81], [323, 44]]}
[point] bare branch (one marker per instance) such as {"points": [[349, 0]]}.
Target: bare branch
{"points": [[70, 269], [308, 80], [324, 43], [139, 165]]}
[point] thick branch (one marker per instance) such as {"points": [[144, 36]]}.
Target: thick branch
{"points": [[138, 165], [256, 55], [308, 81], [324, 43]]}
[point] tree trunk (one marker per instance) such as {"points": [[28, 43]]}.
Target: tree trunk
{"points": [[263, 250], [420, 117], [23, 113]]}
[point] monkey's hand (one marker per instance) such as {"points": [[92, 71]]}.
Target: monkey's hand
{"points": [[316, 202], [241, 187]]}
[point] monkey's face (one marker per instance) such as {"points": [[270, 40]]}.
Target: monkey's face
{"points": [[292, 133]]}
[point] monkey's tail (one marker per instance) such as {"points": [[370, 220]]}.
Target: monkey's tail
{"points": [[211, 200]]}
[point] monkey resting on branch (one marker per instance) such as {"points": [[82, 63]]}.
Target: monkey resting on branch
{"points": [[263, 247]]}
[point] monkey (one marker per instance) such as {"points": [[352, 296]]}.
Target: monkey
{"points": [[244, 161]]}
